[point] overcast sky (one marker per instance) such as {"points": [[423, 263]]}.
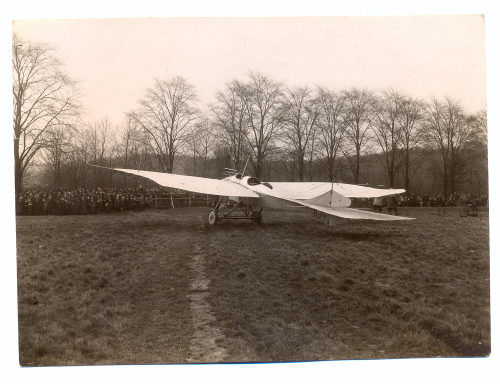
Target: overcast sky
{"points": [[116, 60]]}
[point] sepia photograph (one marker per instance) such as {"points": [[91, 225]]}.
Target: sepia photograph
{"points": [[198, 190]]}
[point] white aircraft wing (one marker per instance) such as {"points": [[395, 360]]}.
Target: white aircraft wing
{"points": [[191, 183], [317, 203], [355, 214], [305, 190]]}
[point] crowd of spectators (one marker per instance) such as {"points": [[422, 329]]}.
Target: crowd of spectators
{"points": [[82, 201], [438, 200], [92, 201], [416, 200]]}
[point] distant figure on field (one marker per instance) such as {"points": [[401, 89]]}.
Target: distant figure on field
{"points": [[392, 204], [425, 200], [472, 204], [378, 203]]}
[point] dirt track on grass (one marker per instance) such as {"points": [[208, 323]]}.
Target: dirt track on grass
{"points": [[204, 345]]}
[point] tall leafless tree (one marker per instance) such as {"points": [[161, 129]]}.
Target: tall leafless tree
{"points": [[300, 114], [465, 131], [436, 131], [57, 152], [359, 107], [131, 142], [166, 116], [448, 129], [230, 122], [410, 120], [79, 158], [43, 98], [262, 98], [387, 129], [202, 145], [101, 139], [331, 124]]}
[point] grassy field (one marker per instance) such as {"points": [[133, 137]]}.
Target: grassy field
{"points": [[161, 287]]}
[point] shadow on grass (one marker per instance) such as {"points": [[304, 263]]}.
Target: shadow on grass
{"points": [[310, 230], [300, 230]]}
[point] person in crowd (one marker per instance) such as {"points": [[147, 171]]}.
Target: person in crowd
{"points": [[392, 206], [378, 203]]}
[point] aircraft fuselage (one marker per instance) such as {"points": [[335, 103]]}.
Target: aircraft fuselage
{"points": [[267, 198]]}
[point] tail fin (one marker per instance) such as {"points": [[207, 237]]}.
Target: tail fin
{"points": [[330, 199]]}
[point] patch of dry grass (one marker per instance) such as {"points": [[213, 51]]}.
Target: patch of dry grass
{"points": [[113, 289], [306, 292], [101, 290]]}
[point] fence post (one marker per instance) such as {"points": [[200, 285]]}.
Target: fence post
{"points": [[172, 201], [189, 199]]}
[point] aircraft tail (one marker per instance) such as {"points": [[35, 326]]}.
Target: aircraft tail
{"points": [[330, 199]]}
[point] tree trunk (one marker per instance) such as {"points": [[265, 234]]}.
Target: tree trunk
{"points": [[445, 180], [330, 169], [18, 171], [391, 178], [356, 167], [57, 178], [258, 164], [258, 169], [170, 164], [452, 174], [407, 172], [300, 167], [19, 179]]}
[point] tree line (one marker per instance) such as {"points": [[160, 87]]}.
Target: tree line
{"points": [[290, 133]]}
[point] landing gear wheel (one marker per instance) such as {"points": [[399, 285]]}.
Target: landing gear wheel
{"points": [[212, 217]]}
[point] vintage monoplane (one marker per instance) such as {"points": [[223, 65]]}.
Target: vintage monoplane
{"points": [[244, 197]]}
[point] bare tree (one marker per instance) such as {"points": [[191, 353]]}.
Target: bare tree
{"points": [[230, 122], [262, 99], [411, 118], [482, 126], [202, 145], [166, 116], [131, 141], [359, 106], [43, 98], [312, 152], [464, 132], [475, 154], [331, 125], [448, 129], [299, 116], [287, 161], [100, 142], [79, 158], [57, 151], [388, 112], [437, 133]]}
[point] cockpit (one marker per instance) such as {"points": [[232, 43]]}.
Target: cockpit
{"points": [[249, 180], [253, 181]]}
